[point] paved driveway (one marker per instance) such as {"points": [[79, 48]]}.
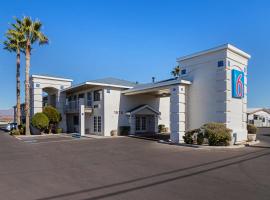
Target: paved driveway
{"points": [[129, 168]]}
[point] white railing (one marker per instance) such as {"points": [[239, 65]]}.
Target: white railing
{"points": [[73, 106]]}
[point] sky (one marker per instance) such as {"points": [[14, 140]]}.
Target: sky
{"points": [[136, 39]]}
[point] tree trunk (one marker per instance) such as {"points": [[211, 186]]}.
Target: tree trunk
{"points": [[27, 89], [18, 88]]}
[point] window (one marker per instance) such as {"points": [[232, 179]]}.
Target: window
{"points": [[89, 99], [255, 117], [97, 95], [97, 123], [183, 72], [229, 63], [81, 96], [61, 87], [220, 63], [37, 85], [108, 91], [75, 120], [138, 123]]}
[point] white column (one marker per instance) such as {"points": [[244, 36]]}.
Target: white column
{"points": [[177, 113], [36, 100], [81, 117]]}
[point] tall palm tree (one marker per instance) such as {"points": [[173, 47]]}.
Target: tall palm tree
{"points": [[15, 43], [176, 71], [33, 34]]}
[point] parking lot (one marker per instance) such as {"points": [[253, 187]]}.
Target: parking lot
{"points": [[130, 168]]}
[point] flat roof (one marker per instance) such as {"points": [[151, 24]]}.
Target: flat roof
{"points": [[218, 48]]}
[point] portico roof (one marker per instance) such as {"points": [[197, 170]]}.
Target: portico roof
{"points": [[141, 107], [161, 86]]}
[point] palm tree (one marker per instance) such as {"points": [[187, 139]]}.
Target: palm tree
{"points": [[176, 71], [15, 43], [33, 34]]}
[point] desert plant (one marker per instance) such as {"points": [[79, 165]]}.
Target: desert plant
{"points": [[161, 128], [251, 129], [32, 34], [217, 134], [21, 128], [40, 121]]}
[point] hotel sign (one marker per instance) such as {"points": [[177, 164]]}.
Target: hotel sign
{"points": [[237, 84]]}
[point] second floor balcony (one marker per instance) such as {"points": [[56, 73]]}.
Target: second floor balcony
{"points": [[73, 107]]}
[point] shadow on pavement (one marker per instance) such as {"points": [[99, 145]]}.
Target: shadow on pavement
{"points": [[241, 159]]}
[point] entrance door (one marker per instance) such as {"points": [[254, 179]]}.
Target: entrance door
{"points": [[141, 125]]}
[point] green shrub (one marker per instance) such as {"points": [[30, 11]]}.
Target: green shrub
{"points": [[21, 128], [53, 115], [40, 121], [251, 129], [189, 136], [124, 130], [161, 128], [15, 132], [217, 134], [59, 130], [200, 138]]}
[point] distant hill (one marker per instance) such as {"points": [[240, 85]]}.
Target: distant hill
{"points": [[6, 115]]}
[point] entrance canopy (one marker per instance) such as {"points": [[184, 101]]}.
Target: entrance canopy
{"points": [[143, 109]]}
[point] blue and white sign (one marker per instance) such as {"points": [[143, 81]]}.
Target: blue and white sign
{"points": [[237, 84]]}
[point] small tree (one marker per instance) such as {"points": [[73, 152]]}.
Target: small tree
{"points": [[53, 115], [40, 121]]}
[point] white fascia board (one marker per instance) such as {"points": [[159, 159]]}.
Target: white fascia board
{"points": [[225, 46], [95, 84], [51, 78], [157, 85], [109, 85]]}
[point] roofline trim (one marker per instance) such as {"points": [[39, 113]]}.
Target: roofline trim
{"points": [[143, 107], [225, 46], [96, 84], [161, 84], [51, 78]]}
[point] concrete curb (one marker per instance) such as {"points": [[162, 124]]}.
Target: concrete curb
{"points": [[210, 147]]}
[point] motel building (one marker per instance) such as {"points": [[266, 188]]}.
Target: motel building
{"points": [[212, 87]]}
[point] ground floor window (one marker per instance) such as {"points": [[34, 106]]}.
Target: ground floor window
{"points": [[97, 123]]}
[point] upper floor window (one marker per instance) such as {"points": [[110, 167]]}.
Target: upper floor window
{"points": [[97, 95], [183, 72], [220, 63], [89, 99], [81, 96]]}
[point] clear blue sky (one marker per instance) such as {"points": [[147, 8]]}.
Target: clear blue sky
{"points": [[137, 39]]}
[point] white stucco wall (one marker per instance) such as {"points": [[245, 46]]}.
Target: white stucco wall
{"points": [[209, 97]]}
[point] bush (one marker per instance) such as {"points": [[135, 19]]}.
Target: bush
{"points": [[200, 138], [251, 129], [53, 115], [161, 128], [124, 130], [21, 128], [189, 136], [217, 134], [40, 121], [15, 132], [59, 130]]}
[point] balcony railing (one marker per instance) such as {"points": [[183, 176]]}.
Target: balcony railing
{"points": [[73, 107]]}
